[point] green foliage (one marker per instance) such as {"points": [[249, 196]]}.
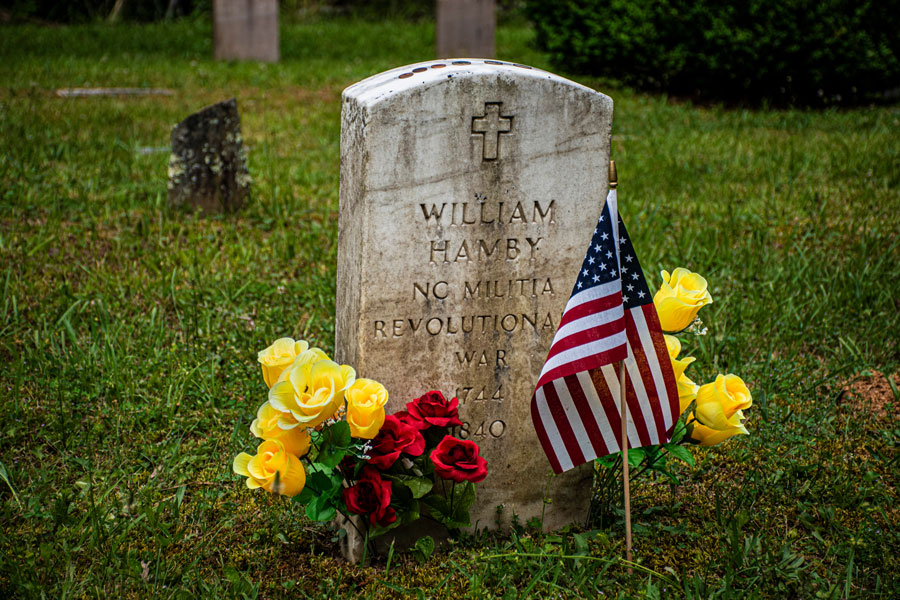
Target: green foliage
{"points": [[322, 494], [418, 486], [423, 549], [334, 443], [784, 52], [80, 11], [452, 509]]}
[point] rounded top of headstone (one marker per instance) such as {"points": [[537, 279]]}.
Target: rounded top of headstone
{"points": [[385, 85]]}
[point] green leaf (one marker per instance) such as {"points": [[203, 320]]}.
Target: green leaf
{"points": [[894, 390], [338, 434], [334, 444], [423, 549], [321, 509], [439, 509], [463, 498], [377, 530], [318, 482], [437, 503], [305, 496], [635, 456], [681, 453], [410, 515], [609, 461], [331, 456], [670, 475], [4, 475], [581, 544], [419, 486], [680, 430]]}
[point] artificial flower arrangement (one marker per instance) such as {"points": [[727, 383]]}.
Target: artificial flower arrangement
{"points": [[328, 444], [718, 406], [710, 413]]}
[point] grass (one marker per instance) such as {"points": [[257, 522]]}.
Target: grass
{"points": [[128, 333]]}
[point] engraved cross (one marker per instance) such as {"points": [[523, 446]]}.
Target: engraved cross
{"points": [[490, 126]]}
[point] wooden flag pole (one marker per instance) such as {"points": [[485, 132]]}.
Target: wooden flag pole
{"points": [[623, 411]]}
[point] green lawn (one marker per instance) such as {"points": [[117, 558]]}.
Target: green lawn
{"points": [[128, 333]]}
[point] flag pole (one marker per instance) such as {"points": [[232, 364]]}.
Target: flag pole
{"points": [[613, 182]]}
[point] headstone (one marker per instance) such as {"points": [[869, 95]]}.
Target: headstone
{"points": [[208, 165], [465, 28], [245, 30], [469, 189]]}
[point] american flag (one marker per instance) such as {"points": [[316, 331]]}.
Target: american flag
{"points": [[609, 317]]}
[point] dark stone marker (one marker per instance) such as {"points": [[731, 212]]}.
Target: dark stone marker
{"points": [[208, 166], [465, 28], [245, 30]]}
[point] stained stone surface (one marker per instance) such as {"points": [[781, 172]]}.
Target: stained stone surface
{"points": [[245, 30], [465, 27], [208, 165], [469, 190]]}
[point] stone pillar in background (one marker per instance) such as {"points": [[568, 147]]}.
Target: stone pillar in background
{"points": [[465, 28], [469, 190], [208, 166], [245, 30]]}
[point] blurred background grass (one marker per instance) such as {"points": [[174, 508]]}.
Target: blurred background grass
{"points": [[129, 332]]}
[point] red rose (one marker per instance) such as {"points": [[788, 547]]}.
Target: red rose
{"points": [[435, 410], [371, 496], [410, 420], [395, 437], [459, 460]]}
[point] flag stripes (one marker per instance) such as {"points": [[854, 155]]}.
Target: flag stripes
{"points": [[575, 407], [583, 408]]}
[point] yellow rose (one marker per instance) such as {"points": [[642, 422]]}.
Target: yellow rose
{"points": [[681, 295], [268, 426], [312, 393], [706, 436], [673, 345], [687, 392], [365, 408], [271, 463], [687, 389], [304, 359], [278, 357], [719, 404]]}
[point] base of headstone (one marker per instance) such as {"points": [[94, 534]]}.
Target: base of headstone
{"points": [[402, 538], [208, 165]]}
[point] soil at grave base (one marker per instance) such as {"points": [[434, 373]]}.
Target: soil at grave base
{"points": [[872, 395]]}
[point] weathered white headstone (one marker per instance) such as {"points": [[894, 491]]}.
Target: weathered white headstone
{"points": [[245, 30], [469, 190], [465, 27]]}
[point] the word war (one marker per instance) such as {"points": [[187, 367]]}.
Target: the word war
{"points": [[481, 358]]}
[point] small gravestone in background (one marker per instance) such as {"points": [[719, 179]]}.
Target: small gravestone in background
{"points": [[245, 30], [468, 191], [465, 28], [208, 166]]}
